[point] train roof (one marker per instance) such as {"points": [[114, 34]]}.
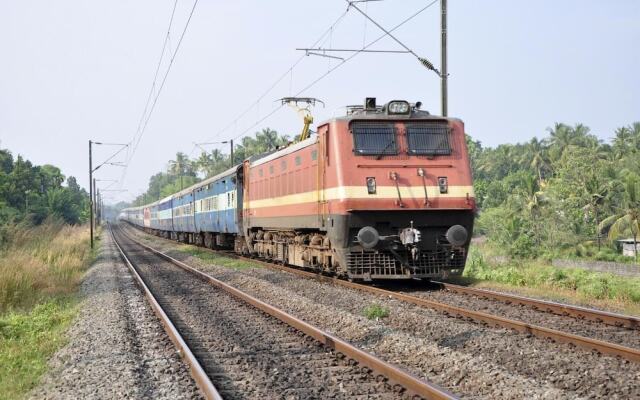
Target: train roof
{"points": [[230, 171], [287, 150]]}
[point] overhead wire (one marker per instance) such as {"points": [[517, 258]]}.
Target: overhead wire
{"points": [[157, 96], [288, 72], [321, 77], [155, 76], [422, 60]]}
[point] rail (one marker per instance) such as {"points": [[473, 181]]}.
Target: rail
{"points": [[600, 346], [408, 381], [195, 369]]}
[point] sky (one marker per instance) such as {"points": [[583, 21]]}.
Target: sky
{"points": [[73, 71]]}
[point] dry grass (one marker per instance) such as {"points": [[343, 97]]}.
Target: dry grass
{"points": [[40, 269], [41, 262]]}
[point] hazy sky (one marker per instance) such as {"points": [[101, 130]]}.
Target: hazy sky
{"points": [[71, 71]]}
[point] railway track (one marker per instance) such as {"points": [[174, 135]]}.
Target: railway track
{"points": [[485, 318], [237, 346], [589, 314]]}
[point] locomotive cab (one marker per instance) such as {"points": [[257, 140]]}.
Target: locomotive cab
{"points": [[398, 194]]}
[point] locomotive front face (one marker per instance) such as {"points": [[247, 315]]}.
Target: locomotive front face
{"points": [[399, 194]]}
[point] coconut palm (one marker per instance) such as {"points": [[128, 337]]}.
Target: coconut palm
{"points": [[627, 220], [622, 141], [536, 156]]}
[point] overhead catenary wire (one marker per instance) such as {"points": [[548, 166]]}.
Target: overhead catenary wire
{"points": [[155, 76], [287, 73], [422, 60], [321, 77], [157, 96]]}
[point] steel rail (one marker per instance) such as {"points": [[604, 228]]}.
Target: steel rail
{"points": [[195, 369], [408, 381], [477, 316], [605, 317]]}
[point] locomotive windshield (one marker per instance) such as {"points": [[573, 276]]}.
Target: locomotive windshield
{"points": [[380, 139], [428, 139], [374, 139]]}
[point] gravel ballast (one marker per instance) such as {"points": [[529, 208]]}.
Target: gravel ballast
{"points": [[469, 359], [117, 347]]}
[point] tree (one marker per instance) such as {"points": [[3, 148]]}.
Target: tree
{"points": [[537, 157], [627, 220]]}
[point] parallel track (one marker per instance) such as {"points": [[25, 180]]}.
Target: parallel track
{"points": [[370, 368], [600, 346], [590, 314]]}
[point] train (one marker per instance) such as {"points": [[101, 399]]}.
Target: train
{"points": [[377, 193]]}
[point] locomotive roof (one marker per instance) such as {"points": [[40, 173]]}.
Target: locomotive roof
{"points": [[283, 152], [360, 113]]}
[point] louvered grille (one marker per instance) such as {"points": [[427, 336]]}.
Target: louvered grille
{"points": [[374, 139], [383, 263], [428, 139]]}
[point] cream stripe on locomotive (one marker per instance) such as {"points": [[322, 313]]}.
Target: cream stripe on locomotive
{"points": [[360, 192]]}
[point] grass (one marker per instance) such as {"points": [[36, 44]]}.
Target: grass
{"points": [[582, 286], [375, 311], [216, 259], [40, 269], [27, 340]]}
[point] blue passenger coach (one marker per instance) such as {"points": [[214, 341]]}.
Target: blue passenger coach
{"points": [[164, 215], [183, 221], [216, 203], [208, 212]]}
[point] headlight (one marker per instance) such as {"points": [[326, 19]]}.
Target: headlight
{"points": [[443, 184], [398, 107], [371, 185]]}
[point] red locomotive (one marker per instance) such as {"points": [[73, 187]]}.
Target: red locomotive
{"points": [[380, 193]]}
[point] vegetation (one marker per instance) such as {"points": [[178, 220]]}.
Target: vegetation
{"points": [[28, 340], [611, 291], [183, 172], [40, 263], [40, 268], [375, 311], [216, 259], [567, 195], [33, 193]]}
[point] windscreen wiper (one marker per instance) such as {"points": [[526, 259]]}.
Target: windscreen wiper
{"points": [[379, 156]]}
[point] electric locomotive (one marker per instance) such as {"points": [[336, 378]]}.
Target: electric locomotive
{"points": [[383, 192]]}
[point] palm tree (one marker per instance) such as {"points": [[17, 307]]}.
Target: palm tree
{"points": [[181, 166], [537, 157], [597, 191], [622, 141], [560, 136], [627, 221]]}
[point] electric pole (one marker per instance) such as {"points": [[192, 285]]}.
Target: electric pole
{"points": [[90, 196], [95, 206], [231, 141], [443, 56]]}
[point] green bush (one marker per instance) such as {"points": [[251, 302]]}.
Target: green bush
{"points": [[375, 311], [532, 274]]}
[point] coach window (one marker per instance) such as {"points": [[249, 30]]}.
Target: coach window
{"points": [[314, 155], [298, 160], [271, 169], [260, 172], [283, 165], [374, 139]]}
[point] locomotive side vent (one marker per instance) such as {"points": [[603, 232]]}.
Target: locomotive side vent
{"points": [[374, 139], [428, 139]]}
